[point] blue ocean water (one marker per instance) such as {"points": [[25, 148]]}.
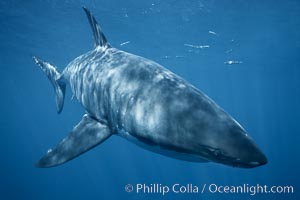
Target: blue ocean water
{"points": [[262, 92]]}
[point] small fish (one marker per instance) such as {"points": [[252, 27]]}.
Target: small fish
{"points": [[197, 46], [231, 62], [124, 43], [167, 57], [212, 32]]}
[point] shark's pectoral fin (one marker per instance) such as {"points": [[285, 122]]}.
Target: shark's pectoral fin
{"points": [[86, 134]]}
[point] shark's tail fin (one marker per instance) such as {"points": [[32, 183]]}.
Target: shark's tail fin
{"points": [[56, 79], [100, 39]]}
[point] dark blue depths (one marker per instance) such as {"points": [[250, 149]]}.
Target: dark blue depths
{"points": [[262, 92]]}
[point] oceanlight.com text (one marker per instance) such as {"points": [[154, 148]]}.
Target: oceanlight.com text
{"points": [[164, 189]]}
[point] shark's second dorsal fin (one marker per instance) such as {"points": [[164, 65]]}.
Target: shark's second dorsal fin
{"points": [[100, 39]]}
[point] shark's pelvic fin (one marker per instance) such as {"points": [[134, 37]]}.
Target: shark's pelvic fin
{"points": [[86, 134], [100, 39], [56, 80]]}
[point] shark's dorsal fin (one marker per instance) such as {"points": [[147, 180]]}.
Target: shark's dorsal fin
{"points": [[100, 39]]}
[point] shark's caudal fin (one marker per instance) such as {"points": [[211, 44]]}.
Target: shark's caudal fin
{"points": [[55, 78], [100, 39], [85, 135]]}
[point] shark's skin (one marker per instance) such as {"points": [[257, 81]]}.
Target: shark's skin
{"points": [[133, 97]]}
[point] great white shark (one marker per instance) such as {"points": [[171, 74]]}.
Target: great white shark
{"points": [[138, 99]]}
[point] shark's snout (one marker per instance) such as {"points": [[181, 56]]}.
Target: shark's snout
{"points": [[235, 148], [251, 157], [245, 152]]}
